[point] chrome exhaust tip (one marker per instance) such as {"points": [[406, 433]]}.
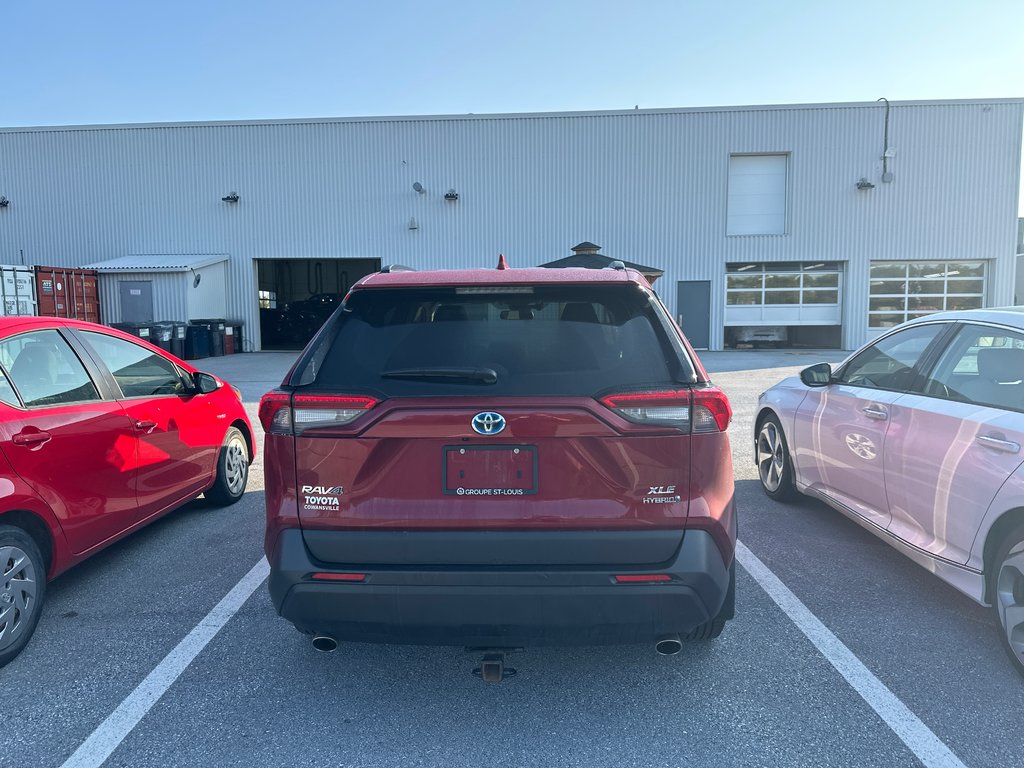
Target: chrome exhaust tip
{"points": [[668, 645], [325, 643]]}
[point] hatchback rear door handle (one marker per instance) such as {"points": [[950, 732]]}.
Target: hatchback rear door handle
{"points": [[875, 413], [145, 425], [998, 443], [31, 438]]}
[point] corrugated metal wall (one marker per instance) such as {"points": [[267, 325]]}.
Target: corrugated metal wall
{"points": [[170, 299], [649, 186], [208, 299]]}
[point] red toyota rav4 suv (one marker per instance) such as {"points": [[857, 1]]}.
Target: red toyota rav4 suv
{"points": [[497, 458]]}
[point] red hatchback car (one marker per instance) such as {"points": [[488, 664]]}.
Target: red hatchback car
{"points": [[100, 433], [496, 458]]}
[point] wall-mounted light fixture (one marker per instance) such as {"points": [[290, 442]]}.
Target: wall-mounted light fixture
{"points": [[451, 195], [864, 184], [232, 198], [4, 202], [413, 224], [419, 187]]}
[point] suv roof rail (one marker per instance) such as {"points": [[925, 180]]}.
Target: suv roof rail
{"points": [[617, 265], [387, 270]]}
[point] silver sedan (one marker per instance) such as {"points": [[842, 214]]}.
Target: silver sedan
{"points": [[917, 437]]}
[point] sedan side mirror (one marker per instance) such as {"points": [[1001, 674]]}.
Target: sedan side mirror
{"points": [[205, 383], [818, 375]]}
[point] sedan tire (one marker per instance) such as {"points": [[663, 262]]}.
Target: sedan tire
{"points": [[1008, 595], [232, 470], [774, 467], [22, 590]]}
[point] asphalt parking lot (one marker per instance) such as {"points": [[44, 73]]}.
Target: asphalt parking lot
{"points": [[90, 683]]}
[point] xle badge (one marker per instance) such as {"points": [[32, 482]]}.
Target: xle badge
{"points": [[661, 494]]}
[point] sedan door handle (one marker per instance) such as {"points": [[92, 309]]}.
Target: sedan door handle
{"points": [[145, 425], [998, 444], [875, 413], [31, 438]]}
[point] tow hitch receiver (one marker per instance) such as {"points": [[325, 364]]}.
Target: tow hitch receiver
{"points": [[493, 668]]}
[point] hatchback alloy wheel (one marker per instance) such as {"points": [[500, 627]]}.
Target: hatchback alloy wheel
{"points": [[18, 587], [236, 464]]}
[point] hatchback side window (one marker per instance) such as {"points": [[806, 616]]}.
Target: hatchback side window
{"points": [[45, 370], [7, 394], [982, 365], [139, 372], [889, 364]]}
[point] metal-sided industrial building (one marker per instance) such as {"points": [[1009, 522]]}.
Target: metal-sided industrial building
{"points": [[831, 221]]}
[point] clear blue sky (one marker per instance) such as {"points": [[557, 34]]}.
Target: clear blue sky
{"points": [[110, 61]]}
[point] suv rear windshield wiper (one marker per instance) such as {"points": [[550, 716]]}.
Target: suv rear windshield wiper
{"points": [[469, 375]]}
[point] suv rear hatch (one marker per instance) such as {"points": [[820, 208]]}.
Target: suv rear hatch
{"points": [[558, 414]]}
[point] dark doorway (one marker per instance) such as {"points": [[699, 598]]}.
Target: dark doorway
{"points": [[296, 296], [693, 302]]}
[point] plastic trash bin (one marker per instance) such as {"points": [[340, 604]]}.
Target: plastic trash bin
{"points": [[216, 326], [197, 341], [161, 334], [142, 330], [236, 326], [178, 340]]}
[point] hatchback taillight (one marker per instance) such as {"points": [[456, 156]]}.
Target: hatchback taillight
{"points": [[284, 414], [698, 410]]}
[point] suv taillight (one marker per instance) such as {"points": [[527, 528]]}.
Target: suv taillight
{"points": [[284, 414], [711, 410], [698, 410]]}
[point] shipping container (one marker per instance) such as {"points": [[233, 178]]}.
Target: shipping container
{"points": [[17, 291], [67, 292]]}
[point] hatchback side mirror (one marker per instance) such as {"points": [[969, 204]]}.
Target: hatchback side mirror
{"points": [[205, 383], [818, 375]]}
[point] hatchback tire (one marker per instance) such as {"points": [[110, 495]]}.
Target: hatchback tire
{"points": [[1008, 595], [232, 470], [774, 467], [22, 590]]}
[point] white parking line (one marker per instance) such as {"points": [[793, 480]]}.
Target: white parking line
{"points": [[918, 737], [112, 731]]}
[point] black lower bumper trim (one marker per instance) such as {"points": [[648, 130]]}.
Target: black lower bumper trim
{"points": [[462, 605]]}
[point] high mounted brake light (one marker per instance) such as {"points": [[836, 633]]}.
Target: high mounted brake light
{"points": [[698, 410], [284, 414]]}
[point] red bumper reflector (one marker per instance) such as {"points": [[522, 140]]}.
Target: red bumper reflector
{"points": [[339, 576], [641, 578]]}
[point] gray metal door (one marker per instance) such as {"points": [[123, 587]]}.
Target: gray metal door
{"points": [[136, 301], [693, 305]]}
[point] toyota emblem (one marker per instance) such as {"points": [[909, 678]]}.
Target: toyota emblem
{"points": [[488, 423]]}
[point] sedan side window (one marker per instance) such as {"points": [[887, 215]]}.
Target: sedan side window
{"points": [[890, 363], [45, 370], [982, 365], [139, 372]]}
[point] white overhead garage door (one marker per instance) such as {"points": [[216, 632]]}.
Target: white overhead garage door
{"points": [[757, 195], [787, 293], [903, 290]]}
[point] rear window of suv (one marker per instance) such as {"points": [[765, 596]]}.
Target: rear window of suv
{"points": [[567, 340]]}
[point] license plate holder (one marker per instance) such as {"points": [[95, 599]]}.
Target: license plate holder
{"points": [[489, 471]]}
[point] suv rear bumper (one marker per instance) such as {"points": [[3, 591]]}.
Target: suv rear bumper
{"points": [[500, 606]]}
